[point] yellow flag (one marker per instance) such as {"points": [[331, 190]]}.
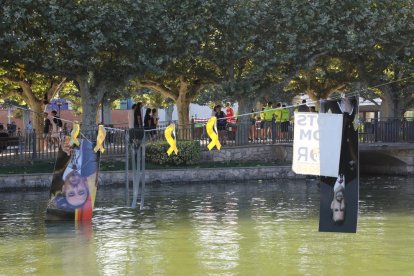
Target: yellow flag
{"points": [[169, 134], [100, 139], [74, 135], [211, 128]]}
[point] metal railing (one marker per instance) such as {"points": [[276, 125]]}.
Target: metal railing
{"points": [[37, 146], [391, 130], [34, 146]]}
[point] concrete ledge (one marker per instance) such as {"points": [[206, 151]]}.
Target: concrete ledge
{"points": [[39, 181]]}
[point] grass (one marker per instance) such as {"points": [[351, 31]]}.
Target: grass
{"points": [[118, 165]]}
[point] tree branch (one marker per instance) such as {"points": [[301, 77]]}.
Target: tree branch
{"points": [[158, 87]]}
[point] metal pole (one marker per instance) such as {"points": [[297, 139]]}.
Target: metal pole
{"points": [[143, 173], [134, 180], [127, 167], [33, 141], [139, 162], [59, 104]]}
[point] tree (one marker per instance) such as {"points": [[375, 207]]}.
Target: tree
{"points": [[351, 45], [97, 44], [34, 89], [180, 72]]}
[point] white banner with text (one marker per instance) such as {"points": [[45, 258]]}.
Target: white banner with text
{"points": [[317, 143]]}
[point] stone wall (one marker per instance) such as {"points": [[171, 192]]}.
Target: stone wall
{"points": [[281, 152], [32, 181]]}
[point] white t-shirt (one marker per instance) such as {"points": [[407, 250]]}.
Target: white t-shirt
{"points": [[55, 128]]}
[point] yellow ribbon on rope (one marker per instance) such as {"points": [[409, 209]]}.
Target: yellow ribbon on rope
{"points": [[74, 135], [169, 134], [100, 139], [211, 128]]}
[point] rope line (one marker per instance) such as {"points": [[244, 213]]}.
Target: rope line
{"points": [[353, 93]]}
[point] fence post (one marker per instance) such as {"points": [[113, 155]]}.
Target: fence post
{"points": [[33, 136], [20, 147], [192, 126], [127, 166], [242, 136]]}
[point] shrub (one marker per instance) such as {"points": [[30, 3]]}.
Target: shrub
{"points": [[188, 153]]}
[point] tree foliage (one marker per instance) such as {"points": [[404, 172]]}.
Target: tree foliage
{"points": [[252, 49]]}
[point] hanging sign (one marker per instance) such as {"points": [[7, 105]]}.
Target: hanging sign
{"points": [[73, 190], [339, 194], [317, 143]]}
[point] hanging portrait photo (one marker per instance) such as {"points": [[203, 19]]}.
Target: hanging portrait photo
{"points": [[74, 182], [339, 195]]}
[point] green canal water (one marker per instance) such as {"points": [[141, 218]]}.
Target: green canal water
{"points": [[213, 229]]}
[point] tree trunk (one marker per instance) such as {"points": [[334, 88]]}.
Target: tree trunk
{"points": [[183, 109], [106, 112], [168, 113], [89, 105], [245, 106], [387, 109], [37, 116], [25, 120]]}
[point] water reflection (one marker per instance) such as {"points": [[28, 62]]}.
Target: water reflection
{"points": [[214, 229], [215, 223]]}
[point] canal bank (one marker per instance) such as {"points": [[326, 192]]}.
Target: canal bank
{"points": [[10, 182], [375, 159]]}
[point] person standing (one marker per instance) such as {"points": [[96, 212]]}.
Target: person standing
{"points": [[148, 122], [231, 121], [230, 118], [252, 132], [147, 119], [268, 118], [261, 117], [3, 134], [29, 127], [221, 124], [154, 122], [285, 124], [46, 130], [278, 120], [138, 116], [56, 123], [303, 107]]}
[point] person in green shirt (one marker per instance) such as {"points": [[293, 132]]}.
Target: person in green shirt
{"points": [[268, 118], [278, 119], [261, 117], [285, 122]]}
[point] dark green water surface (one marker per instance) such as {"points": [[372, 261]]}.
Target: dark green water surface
{"points": [[213, 229]]}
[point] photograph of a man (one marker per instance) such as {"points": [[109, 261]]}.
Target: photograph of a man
{"points": [[74, 181], [338, 200], [339, 195]]}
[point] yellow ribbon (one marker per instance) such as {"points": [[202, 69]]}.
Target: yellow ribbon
{"points": [[168, 133], [74, 135], [211, 128], [100, 139]]}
